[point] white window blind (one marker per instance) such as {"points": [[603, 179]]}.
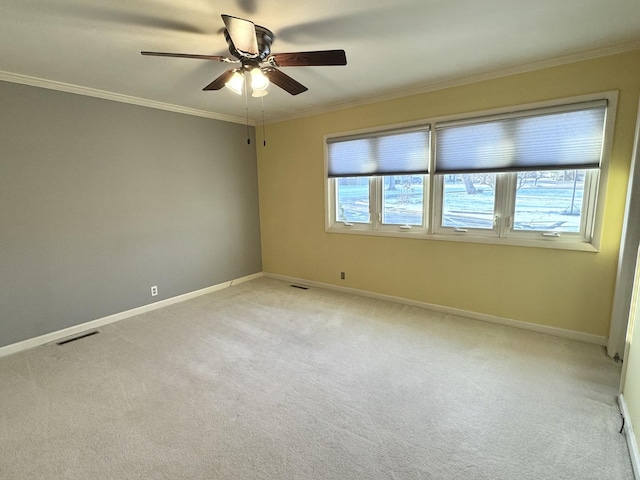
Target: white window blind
{"points": [[397, 152], [559, 138]]}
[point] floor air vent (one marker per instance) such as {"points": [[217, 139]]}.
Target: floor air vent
{"points": [[301, 287], [73, 339]]}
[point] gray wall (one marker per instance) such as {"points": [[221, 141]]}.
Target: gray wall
{"points": [[99, 200]]}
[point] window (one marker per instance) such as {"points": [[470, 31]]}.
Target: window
{"points": [[531, 176], [352, 200], [468, 201], [403, 200], [379, 181], [550, 200]]}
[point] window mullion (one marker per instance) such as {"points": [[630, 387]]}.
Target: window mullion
{"points": [[375, 203], [426, 202], [435, 205], [505, 198], [433, 201], [376, 185]]}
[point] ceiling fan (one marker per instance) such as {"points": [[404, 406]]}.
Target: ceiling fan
{"points": [[250, 44]]}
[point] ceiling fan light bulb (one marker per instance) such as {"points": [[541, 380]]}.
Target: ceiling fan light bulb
{"points": [[259, 93], [235, 83], [259, 80]]}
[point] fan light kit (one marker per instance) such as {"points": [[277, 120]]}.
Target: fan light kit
{"points": [[250, 44]]}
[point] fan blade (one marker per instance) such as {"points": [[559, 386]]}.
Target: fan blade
{"points": [[219, 82], [304, 59], [242, 33], [217, 58], [284, 81]]}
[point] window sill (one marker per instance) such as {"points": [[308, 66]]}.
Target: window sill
{"points": [[551, 243]]}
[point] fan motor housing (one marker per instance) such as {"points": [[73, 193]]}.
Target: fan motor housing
{"points": [[264, 37]]}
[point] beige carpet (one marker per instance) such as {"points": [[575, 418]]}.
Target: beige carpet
{"points": [[265, 381]]}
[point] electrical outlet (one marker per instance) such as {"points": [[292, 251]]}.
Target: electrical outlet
{"points": [[342, 276], [154, 290]]}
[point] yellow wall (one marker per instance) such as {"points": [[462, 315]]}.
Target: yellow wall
{"points": [[566, 289]]}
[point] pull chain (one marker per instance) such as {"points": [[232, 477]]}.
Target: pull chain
{"points": [[264, 129], [246, 106]]}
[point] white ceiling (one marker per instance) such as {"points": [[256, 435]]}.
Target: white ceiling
{"points": [[391, 47]]}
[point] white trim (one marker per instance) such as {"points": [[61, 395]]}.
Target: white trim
{"points": [[534, 327], [509, 241], [628, 274], [456, 82], [236, 281], [93, 324], [116, 97], [405, 92], [631, 438], [503, 231], [588, 241]]}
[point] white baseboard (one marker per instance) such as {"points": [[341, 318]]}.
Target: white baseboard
{"points": [[555, 331], [631, 438], [83, 327]]}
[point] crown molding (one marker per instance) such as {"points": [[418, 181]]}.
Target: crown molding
{"points": [[390, 95], [116, 97], [456, 82]]}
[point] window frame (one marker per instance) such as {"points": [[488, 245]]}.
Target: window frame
{"points": [[375, 225], [498, 211], [503, 234], [586, 221], [504, 212], [394, 227]]}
